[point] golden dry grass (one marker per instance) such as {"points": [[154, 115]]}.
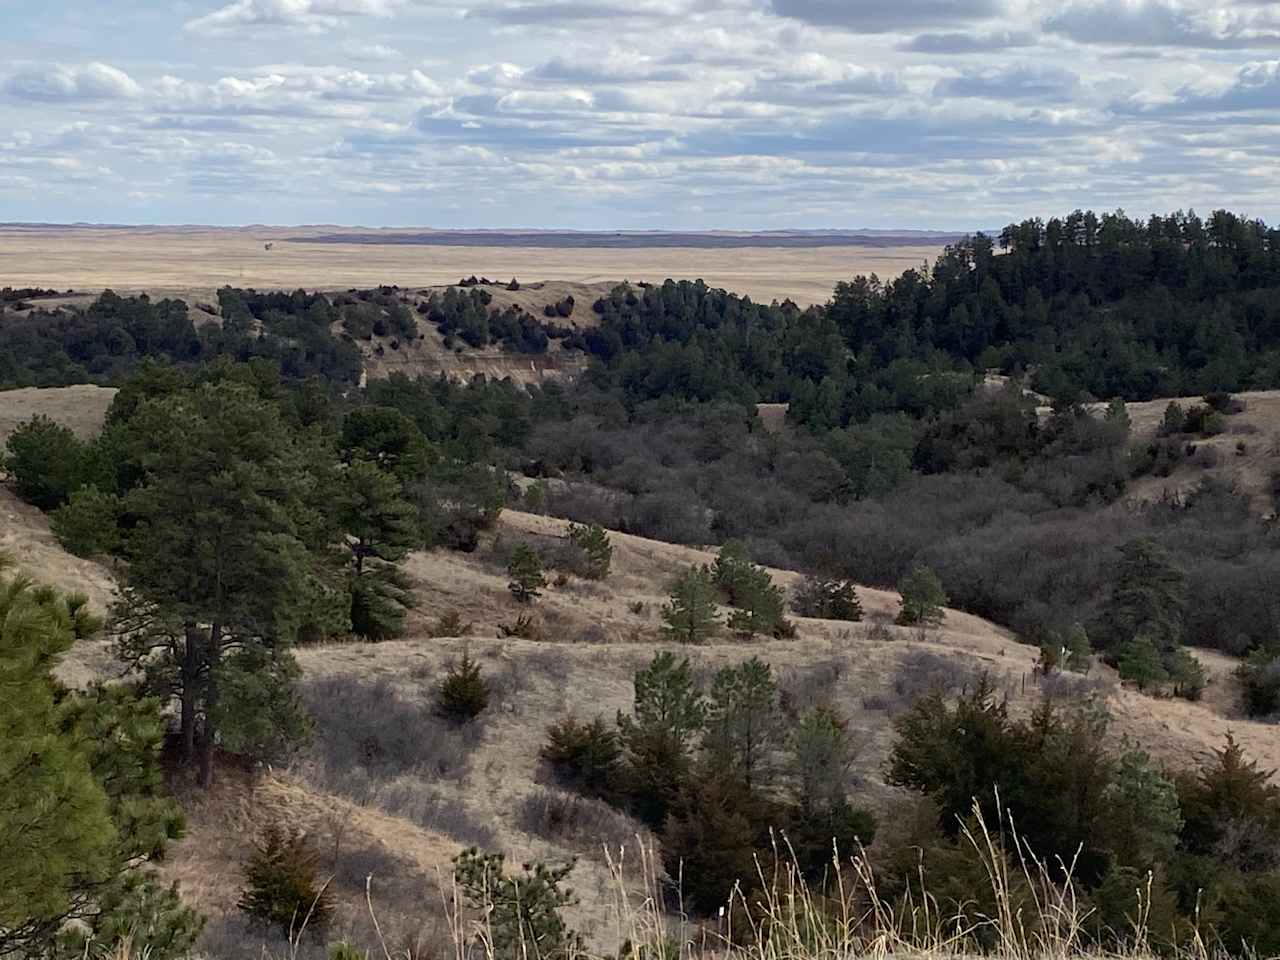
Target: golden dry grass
{"points": [[595, 636], [193, 262], [81, 408], [1245, 454]]}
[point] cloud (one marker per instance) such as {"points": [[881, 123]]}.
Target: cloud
{"points": [[372, 52], [1012, 83], [887, 16], [310, 15], [608, 70], [1164, 23], [92, 81], [948, 43], [1255, 87]]}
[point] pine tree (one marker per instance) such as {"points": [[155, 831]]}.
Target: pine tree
{"points": [[923, 598], [464, 693], [1139, 660], [658, 737], [87, 525], [593, 540], [827, 599], [690, 616], [282, 883], [219, 544], [1148, 596], [83, 809], [744, 722], [45, 461], [522, 913], [760, 604], [380, 528], [525, 571]]}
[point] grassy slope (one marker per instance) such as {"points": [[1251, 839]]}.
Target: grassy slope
{"points": [[594, 640]]}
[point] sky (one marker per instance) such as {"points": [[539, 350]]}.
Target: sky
{"points": [[636, 114]]}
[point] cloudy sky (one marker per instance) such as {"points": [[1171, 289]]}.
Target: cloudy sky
{"points": [[759, 114]]}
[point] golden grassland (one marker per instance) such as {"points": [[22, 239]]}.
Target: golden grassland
{"points": [[593, 636], [193, 262]]}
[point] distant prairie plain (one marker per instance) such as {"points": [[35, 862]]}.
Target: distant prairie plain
{"points": [[194, 261]]}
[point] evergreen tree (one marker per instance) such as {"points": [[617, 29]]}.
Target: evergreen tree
{"points": [[88, 524], [83, 809], [464, 692], [282, 883], [827, 599], [218, 546], [380, 527], [1139, 660], [659, 736], [45, 461], [1148, 598], [760, 605], [923, 598], [744, 723], [690, 616], [525, 571], [522, 914], [593, 541]]}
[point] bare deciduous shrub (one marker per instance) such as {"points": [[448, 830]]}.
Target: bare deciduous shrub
{"points": [[1065, 686], [812, 685], [921, 672], [450, 624], [366, 733], [880, 632], [419, 802], [593, 633], [584, 824], [525, 626]]}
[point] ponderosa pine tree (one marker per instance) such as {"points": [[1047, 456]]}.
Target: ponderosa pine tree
{"points": [[82, 809], [690, 616], [525, 571], [380, 527], [744, 723], [659, 736], [593, 541], [1147, 598], [923, 598], [218, 547]]}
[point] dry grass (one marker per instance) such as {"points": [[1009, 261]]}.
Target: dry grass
{"points": [[193, 262], [82, 408], [1257, 428]]}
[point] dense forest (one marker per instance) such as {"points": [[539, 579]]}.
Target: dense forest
{"points": [[259, 499]]}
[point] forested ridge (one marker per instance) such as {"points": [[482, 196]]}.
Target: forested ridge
{"points": [[255, 498]]}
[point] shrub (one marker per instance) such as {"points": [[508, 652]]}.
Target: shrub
{"points": [[1173, 421], [282, 883], [827, 599], [450, 625], [525, 627], [586, 823], [464, 693], [583, 755], [922, 598], [525, 571]]}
